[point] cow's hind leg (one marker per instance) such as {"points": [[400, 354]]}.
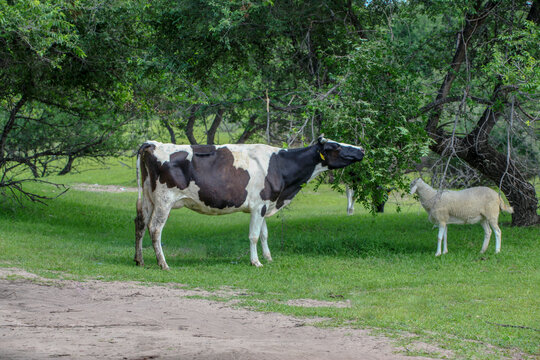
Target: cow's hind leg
{"points": [[155, 227], [255, 227], [144, 210], [264, 241]]}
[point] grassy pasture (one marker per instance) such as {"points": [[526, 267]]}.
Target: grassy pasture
{"points": [[478, 306]]}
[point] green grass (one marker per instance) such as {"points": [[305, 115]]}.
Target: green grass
{"points": [[385, 265]]}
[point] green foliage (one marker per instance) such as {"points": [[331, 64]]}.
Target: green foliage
{"points": [[374, 108], [67, 84], [43, 26], [282, 72], [516, 59]]}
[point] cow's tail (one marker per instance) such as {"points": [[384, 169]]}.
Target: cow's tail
{"points": [[140, 223], [139, 186]]}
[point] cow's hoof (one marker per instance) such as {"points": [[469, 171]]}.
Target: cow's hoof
{"points": [[268, 258], [256, 263], [445, 252], [438, 254], [165, 267]]}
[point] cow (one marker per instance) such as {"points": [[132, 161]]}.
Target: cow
{"points": [[222, 179]]}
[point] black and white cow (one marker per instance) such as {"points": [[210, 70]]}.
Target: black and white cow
{"points": [[214, 180]]}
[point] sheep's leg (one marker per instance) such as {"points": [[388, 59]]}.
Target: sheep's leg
{"points": [[498, 236], [487, 235], [445, 245], [439, 238], [350, 200]]}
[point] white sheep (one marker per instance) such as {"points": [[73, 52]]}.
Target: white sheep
{"points": [[467, 206]]}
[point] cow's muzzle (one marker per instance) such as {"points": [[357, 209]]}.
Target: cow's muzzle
{"points": [[355, 153]]}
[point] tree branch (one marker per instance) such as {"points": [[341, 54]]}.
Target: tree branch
{"points": [[471, 25], [9, 125], [211, 134], [190, 124]]}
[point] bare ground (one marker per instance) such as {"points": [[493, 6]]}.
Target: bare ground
{"points": [[48, 319]]}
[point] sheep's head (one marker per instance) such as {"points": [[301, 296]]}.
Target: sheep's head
{"points": [[414, 184]]}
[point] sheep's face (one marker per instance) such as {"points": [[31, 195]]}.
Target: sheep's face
{"points": [[414, 185]]}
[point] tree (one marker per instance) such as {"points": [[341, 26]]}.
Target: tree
{"points": [[66, 77], [494, 66], [262, 62], [375, 107]]}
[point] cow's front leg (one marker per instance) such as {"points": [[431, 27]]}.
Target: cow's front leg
{"points": [[157, 222], [255, 227], [264, 241]]}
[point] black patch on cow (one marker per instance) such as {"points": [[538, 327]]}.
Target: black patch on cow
{"points": [[263, 210], [176, 171], [149, 164], [221, 184], [288, 170], [203, 150]]}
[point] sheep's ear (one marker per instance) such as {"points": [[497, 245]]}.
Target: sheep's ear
{"points": [[414, 185]]}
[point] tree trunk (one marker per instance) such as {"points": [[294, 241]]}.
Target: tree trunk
{"points": [[9, 126], [190, 124], [33, 169], [211, 134], [249, 130], [68, 166], [534, 13], [520, 194], [170, 130]]}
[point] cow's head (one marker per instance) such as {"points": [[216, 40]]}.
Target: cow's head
{"points": [[336, 155]]}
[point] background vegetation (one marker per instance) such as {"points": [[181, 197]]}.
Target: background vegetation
{"points": [[455, 80]]}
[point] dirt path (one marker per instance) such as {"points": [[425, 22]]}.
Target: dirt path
{"points": [[44, 319], [103, 188]]}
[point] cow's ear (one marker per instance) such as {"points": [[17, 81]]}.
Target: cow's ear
{"points": [[322, 140], [414, 186]]}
